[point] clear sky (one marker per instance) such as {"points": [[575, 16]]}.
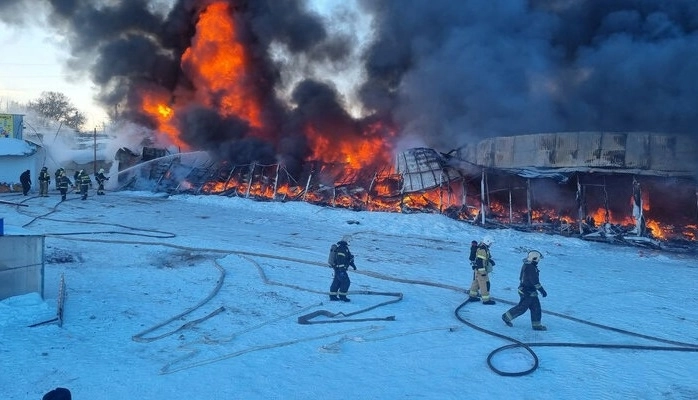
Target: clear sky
{"points": [[34, 63]]}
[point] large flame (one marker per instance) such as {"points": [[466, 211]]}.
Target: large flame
{"points": [[218, 65], [221, 74], [219, 68], [156, 104], [355, 151]]}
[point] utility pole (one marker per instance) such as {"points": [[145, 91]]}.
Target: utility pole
{"points": [[94, 165]]}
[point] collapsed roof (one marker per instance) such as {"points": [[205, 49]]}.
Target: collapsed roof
{"points": [[423, 168]]}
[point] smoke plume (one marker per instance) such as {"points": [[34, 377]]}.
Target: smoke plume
{"points": [[442, 72]]}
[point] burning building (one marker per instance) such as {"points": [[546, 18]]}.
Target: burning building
{"points": [[599, 184], [315, 100]]}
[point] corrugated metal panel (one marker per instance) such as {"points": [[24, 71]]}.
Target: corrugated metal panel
{"points": [[423, 168], [661, 153]]}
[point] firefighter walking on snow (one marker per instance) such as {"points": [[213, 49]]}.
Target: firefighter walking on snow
{"points": [[85, 183], [340, 261], [529, 286], [58, 174], [44, 181], [101, 178], [481, 268], [63, 182]]}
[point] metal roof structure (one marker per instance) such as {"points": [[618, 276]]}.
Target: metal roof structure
{"points": [[640, 153], [423, 168]]}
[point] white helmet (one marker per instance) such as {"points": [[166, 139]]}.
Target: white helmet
{"points": [[487, 240], [534, 256], [101, 170], [346, 238]]}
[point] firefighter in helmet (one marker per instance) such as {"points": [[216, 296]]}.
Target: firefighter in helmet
{"points": [[85, 183], [44, 181], [63, 182], [482, 265], [343, 259], [529, 287], [101, 178]]}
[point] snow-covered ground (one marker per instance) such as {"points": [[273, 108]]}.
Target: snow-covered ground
{"points": [[199, 298]]}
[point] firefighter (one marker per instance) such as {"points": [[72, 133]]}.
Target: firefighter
{"points": [[473, 254], [44, 181], [85, 183], [26, 181], [101, 178], [529, 286], [481, 268], [342, 261], [57, 174], [63, 182]]}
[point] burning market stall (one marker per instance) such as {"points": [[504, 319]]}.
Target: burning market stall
{"points": [[595, 183]]}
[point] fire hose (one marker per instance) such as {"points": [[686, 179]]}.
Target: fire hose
{"points": [[675, 346]]}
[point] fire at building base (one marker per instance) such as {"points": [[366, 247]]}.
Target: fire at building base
{"points": [[627, 188]]}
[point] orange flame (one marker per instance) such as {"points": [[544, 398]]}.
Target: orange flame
{"points": [[218, 65], [155, 104], [353, 150]]}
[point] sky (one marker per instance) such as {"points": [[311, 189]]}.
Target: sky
{"points": [[439, 73], [35, 63], [38, 61], [200, 297]]}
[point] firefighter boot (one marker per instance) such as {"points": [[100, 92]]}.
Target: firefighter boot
{"points": [[344, 298], [539, 327], [506, 319], [333, 297]]}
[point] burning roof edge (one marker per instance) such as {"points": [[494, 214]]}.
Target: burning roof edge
{"points": [[547, 154]]}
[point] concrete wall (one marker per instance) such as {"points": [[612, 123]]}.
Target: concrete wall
{"points": [[21, 264]]}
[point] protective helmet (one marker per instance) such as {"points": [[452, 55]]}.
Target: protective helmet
{"points": [[44, 169], [346, 238], [82, 171], [534, 256], [487, 240], [101, 170]]}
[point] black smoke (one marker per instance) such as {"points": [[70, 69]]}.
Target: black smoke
{"points": [[457, 71], [446, 72]]}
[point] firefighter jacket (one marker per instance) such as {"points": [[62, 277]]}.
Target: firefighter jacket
{"points": [[483, 258], [344, 259], [63, 182], [85, 180], [44, 176], [25, 178], [529, 283], [101, 178]]}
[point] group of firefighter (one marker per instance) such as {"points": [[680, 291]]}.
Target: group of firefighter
{"points": [[81, 181], [481, 262]]}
